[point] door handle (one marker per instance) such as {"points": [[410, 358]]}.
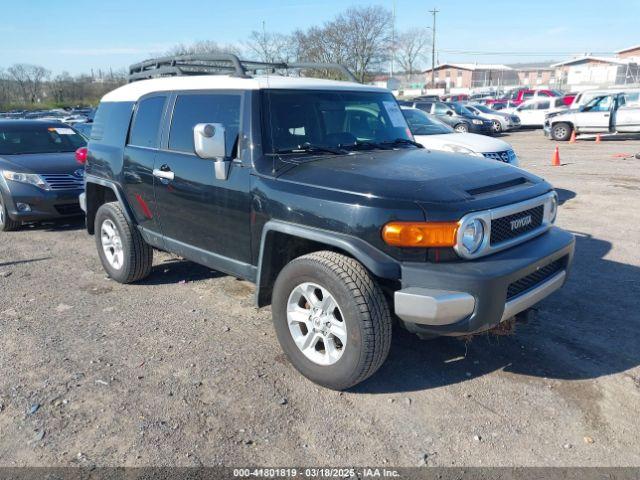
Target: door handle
{"points": [[606, 114], [163, 172]]}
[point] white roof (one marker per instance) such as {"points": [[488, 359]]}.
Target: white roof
{"points": [[612, 60], [629, 49], [131, 92], [472, 66]]}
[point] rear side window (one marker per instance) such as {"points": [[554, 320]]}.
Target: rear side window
{"points": [[146, 123], [190, 110]]}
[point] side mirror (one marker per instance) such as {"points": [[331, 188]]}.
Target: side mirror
{"points": [[209, 144]]}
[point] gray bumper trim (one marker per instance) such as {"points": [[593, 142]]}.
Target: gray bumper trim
{"points": [[82, 198], [530, 298], [427, 306]]}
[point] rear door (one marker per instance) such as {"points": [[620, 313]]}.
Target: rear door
{"points": [[201, 216], [139, 157]]}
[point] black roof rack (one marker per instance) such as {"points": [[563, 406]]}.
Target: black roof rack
{"points": [[220, 64]]}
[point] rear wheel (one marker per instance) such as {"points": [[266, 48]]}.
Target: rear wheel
{"points": [[561, 132], [7, 224], [124, 254], [331, 318], [461, 128]]}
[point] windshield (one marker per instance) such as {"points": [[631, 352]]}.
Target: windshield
{"points": [[333, 119], [19, 139], [424, 124], [461, 110], [483, 108]]}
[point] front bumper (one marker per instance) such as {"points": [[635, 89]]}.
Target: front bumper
{"points": [[484, 129], [43, 204], [465, 297], [547, 130]]}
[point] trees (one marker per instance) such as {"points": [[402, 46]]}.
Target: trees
{"points": [[271, 47], [411, 47], [29, 79]]}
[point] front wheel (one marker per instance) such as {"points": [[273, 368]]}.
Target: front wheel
{"points": [[7, 224], [496, 126], [124, 254], [461, 128], [331, 319], [561, 132]]}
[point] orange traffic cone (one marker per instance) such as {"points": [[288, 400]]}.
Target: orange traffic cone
{"points": [[555, 159], [598, 138], [573, 137]]}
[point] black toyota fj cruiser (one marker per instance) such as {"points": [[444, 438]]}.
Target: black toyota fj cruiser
{"points": [[315, 190]]}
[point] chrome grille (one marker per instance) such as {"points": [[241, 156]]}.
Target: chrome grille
{"points": [[63, 181], [507, 156], [512, 226]]}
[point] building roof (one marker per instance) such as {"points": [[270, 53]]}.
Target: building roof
{"points": [[133, 91], [471, 66], [588, 58], [629, 49]]}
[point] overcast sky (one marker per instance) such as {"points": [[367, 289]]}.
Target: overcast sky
{"points": [[79, 36]]}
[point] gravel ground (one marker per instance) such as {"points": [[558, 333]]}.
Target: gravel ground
{"points": [[183, 370]]}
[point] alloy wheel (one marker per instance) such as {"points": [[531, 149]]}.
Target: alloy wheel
{"points": [[112, 244], [316, 323]]}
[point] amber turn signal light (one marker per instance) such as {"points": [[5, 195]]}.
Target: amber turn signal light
{"points": [[420, 234]]}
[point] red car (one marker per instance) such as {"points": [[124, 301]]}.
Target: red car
{"points": [[461, 97], [516, 97]]}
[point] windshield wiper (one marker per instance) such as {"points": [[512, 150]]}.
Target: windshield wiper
{"points": [[310, 148], [402, 141]]}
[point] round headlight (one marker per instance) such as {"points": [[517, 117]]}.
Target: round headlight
{"points": [[472, 236]]}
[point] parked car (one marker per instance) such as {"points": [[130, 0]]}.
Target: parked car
{"points": [[532, 113], [459, 118], [460, 97], [436, 135], [84, 128], [607, 113], [500, 121], [40, 178], [338, 216], [584, 97], [515, 97]]}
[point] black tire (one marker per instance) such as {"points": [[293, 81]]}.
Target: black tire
{"points": [[496, 126], [561, 132], [364, 310], [461, 128], [7, 224], [137, 254]]}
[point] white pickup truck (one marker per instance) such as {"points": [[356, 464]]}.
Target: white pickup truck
{"points": [[606, 113]]}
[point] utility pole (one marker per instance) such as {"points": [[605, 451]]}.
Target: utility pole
{"points": [[433, 48]]}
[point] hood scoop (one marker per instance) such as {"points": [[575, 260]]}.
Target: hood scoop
{"points": [[514, 182]]}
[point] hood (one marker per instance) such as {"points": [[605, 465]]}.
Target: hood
{"points": [[43, 163], [472, 141], [416, 175]]}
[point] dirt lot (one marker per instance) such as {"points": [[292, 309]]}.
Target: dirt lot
{"points": [[183, 370]]}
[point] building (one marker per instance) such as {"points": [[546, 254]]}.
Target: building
{"points": [[631, 53], [593, 71], [535, 75], [471, 75]]}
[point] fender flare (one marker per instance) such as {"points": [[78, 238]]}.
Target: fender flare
{"points": [[376, 261], [113, 186]]}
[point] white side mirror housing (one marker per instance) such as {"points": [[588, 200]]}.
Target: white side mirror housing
{"points": [[209, 141]]}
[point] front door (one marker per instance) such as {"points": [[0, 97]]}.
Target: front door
{"points": [[203, 218], [596, 115]]}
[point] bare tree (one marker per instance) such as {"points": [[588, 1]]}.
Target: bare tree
{"points": [[202, 46], [358, 38], [411, 49], [29, 79], [271, 47]]}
